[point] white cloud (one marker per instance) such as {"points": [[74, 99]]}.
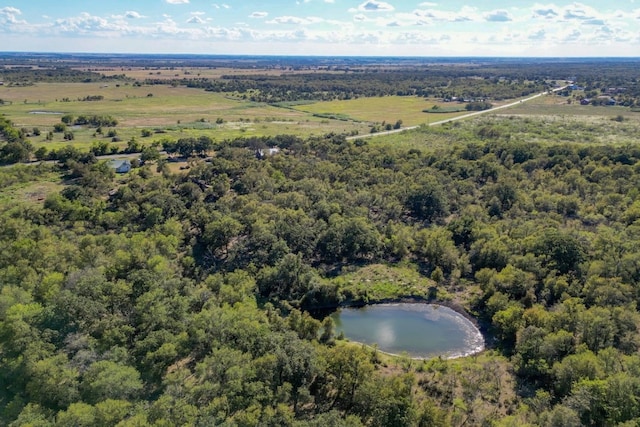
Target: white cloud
{"points": [[537, 29], [8, 15], [465, 14], [580, 11], [177, 1], [10, 11], [85, 24], [498, 16], [295, 20], [132, 14], [195, 19], [538, 35], [221, 6], [375, 6]]}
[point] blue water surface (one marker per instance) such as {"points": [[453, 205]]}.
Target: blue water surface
{"points": [[418, 330]]}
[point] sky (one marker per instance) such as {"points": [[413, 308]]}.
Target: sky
{"points": [[504, 28]]}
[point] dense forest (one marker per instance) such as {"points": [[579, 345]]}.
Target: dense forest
{"points": [[180, 299]]}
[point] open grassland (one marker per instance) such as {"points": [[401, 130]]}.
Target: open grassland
{"points": [[387, 109], [165, 110], [556, 105], [544, 129], [171, 73], [177, 112], [24, 184]]}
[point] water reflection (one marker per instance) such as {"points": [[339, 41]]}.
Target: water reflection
{"points": [[420, 330]]}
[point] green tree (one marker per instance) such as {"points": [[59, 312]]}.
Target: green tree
{"points": [[108, 380], [53, 383]]}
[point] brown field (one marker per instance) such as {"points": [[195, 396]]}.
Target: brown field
{"points": [[168, 73]]}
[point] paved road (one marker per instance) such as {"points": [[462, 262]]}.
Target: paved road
{"points": [[465, 116]]}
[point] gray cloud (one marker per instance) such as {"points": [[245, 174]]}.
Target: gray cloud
{"points": [[498, 16], [546, 13], [375, 6]]}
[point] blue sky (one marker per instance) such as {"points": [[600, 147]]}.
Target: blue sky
{"points": [[324, 27]]}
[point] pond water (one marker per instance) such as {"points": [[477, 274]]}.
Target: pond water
{"points": [[419, 330]]}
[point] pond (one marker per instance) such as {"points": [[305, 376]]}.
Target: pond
{"points": [[418, 330]]}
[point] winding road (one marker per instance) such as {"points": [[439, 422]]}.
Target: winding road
{"points": [[465, 116]]}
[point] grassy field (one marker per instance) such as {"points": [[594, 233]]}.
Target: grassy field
{"points": [[169, 73], [174, 111], [555, 105], [18, 186], [379, 282], [388, 109], [544, 119]]}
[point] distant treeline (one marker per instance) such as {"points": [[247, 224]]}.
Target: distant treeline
{"points": [[21, 76], [469, 81], [329, 86]]}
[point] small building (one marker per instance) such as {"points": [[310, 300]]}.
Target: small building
{"points": [[120, 165], [606, 100], [585, 101], [261, 154]]}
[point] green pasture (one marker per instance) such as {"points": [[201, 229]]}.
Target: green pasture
{"points": [[583, 129], [378, 282], [555, 105], [165, 110], [25, 184], [387, 109], [176, 112]]}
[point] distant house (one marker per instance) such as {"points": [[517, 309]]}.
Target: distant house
{"points": [[615, 90], [585, 101], [120, 165], [606, 100], [261, 154]]}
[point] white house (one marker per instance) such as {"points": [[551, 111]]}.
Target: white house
{"points": [[120, 165]]}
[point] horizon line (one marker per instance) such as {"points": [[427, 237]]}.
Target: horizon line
{"points": [[271, 55]]}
